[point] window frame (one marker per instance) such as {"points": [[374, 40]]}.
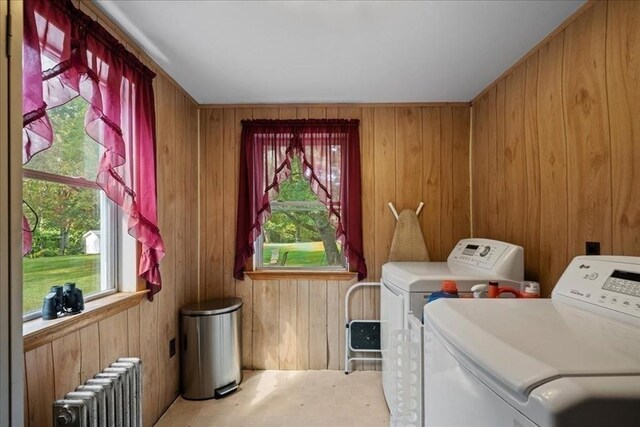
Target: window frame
{"points": [[110, 219], [258, 264]]}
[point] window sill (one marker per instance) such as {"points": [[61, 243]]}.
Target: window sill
{"points": [[301, 275], [37, 332]]}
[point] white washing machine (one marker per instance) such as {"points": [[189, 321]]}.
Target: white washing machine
{"points": [[572, 360], [406, 284]]}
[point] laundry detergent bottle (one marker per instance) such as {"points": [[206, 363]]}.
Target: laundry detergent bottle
{"points": [[448, 289]]}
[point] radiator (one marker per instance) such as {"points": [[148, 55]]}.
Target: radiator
{"points": [[112, 398]]}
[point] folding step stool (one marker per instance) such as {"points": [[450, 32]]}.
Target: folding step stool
{"points": [[360, 335]]}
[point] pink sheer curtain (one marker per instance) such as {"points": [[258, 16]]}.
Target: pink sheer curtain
{"points": [[330, 153], [67, 54]]}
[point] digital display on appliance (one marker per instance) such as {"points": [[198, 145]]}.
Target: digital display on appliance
{"points": [[624, 282], [470, 250]]}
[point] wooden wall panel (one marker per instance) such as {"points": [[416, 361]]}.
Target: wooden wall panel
{"points": [[191, 186], [112, 344], [288, 342], [384, 165], [446, 181], [318, 353], [230, 157], [266, 320], [498, 182], [149, 354], [26, 399], [133, 328], [571, 138], [409, 157], [623, 88], [302, 324], [587, 130], [90, 351], [460, 188], [171, 200], [40, 385], [532, 169], [66, 358], [515, 161], [553, 164], [481, 203], [211, 183], [410, 153], [333, 323], [431, 183], [181, 211], [166, 193], [490, 216]]}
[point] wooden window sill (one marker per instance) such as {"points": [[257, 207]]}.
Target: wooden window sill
{"points": [[37, 332], [301, 275]]}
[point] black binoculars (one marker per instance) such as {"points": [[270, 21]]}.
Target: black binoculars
{"points": [[61, 300]]}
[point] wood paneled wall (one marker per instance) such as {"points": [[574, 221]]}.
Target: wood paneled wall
{"points": [[556, 144], [410, 153], [145, 330]]}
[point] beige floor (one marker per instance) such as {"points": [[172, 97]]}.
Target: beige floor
{"points": [[289, 399]]}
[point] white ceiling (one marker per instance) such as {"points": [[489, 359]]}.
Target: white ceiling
{"points": [[336, 51]]}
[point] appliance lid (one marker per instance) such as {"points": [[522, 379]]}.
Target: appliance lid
{"points": [[520, 344], [428, 276], [212, 307]]}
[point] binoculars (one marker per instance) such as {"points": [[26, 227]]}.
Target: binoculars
{"points": [[61, 300]]}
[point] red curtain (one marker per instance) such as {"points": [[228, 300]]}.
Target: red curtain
{"points": [[67, 54], [330, 154]]}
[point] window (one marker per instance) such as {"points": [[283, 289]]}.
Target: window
{"points": [[76, 236], [67, 54], [298, 235], [284, 165]]}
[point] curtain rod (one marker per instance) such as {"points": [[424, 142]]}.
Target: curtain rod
{"points": [[301, 122], [96, 30]]}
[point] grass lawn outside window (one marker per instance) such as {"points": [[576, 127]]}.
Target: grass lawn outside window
{"points": [[299, 233], [39, 274]]}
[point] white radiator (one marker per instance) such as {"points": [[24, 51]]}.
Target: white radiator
{"points": [[112, 398]]}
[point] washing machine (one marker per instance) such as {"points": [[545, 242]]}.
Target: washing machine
{"points": [[405, 285], [572, 360]]}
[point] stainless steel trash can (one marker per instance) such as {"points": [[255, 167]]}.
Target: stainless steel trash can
{"points": [[211, 363]]}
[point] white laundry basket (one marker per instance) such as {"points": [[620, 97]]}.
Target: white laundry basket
{"points": [[406, 371]]}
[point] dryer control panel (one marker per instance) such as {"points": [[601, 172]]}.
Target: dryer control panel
{"points": [[489, 256], [611, 283]]}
